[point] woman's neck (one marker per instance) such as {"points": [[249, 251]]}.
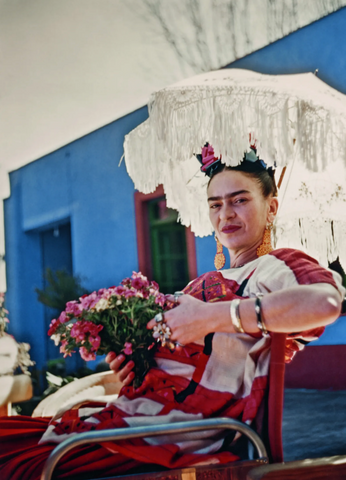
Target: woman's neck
{"points": [[240, 258]]}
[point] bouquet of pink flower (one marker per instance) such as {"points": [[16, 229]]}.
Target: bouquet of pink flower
{"points": [[112, 319]]}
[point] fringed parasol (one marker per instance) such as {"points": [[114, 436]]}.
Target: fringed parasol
{"points": [[298, 121]]}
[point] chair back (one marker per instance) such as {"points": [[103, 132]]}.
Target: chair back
{"points": [[276, 398]]}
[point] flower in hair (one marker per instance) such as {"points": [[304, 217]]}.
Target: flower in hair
{"points": [[208, 160], [251, 156]]}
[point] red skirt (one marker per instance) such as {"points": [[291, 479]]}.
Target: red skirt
{"points": [[22, 458]]}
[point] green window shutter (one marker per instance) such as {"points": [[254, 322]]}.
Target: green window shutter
{"points": [[168, 247]]}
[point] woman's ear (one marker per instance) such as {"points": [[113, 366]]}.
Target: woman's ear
{"points": [[273, 205]]}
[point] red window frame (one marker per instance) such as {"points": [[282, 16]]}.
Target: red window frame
{"points": [[143, 236]]}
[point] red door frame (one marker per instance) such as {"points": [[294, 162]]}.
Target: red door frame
{"points": [[143, 242]]}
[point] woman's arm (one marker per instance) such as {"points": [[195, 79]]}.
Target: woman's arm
{"points": [[294, 309]]}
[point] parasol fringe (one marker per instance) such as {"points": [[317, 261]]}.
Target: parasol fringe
{"points": [[181, 120], [323, 238]]}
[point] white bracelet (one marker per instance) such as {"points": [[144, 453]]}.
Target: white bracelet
{"points": [[234, 311]]}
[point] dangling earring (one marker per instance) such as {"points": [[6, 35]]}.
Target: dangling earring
{"points": [[220, 259], [266, 245]]}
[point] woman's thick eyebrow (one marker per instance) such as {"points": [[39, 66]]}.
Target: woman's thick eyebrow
{"points": [[228, 195]]}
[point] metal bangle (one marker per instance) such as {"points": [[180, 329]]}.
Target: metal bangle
{"points": [[234, 311], [260, 323]]}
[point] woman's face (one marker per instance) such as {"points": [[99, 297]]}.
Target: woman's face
{"points": [[238, 211]]}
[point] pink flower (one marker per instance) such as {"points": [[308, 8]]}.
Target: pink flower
{"points": [[146, 293], [107, 292], [126, 282], [63, 317], [54, 324], [74, 308], [77, 332], [154, 286], [120, 290], [208, 157], [81, 329], [128, 348], [129, 294], [86, 355], [95, 341], [160, 299], [94, 329], [63, 350], [138, 283], [137, 275], [89, 301]]}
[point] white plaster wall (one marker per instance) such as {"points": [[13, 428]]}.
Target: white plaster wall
{"points": [[69, 67]]}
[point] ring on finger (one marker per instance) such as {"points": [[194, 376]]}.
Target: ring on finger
{"points": [[178, 344], [161, 331], [158, 317], [177, 295]]}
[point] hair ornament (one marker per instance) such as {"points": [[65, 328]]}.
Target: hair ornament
{"points": [[251, 156], [210, 163], [208, 160]]}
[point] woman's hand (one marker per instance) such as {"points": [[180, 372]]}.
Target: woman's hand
{"points": [[191, 320], [124, 374]]}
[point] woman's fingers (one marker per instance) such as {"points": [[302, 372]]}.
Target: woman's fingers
{"points": [[167, 314], [151, 324], [110, 356], [115, 361], [129, 379], [170, 298], [125, 374], [189, 320]]}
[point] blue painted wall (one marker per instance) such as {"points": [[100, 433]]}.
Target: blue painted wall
{"points": [[82, 183], [320, 45]]}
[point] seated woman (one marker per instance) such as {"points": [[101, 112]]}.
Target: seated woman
{"points": [[220, 326]]}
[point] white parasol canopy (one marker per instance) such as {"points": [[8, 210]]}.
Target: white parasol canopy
{"points": [[298, 122]]}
